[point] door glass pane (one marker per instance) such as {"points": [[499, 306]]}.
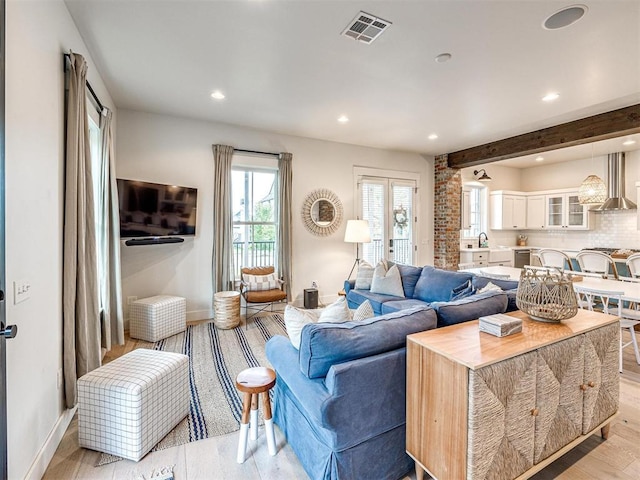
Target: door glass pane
{"points": [[402, 224], [576, 215], [555, 211], [373, 195]]}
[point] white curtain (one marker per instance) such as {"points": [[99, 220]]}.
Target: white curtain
{"points": [[81, 318], [109, 239], [285, 178], [222, 271]]}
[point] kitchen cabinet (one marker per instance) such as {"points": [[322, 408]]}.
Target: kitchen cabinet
{"points": [[466, 210], [508, 210], [481, 407], [563, 210], [479, 258], [535, 212]]}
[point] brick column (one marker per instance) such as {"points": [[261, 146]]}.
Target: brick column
{"points": [[446, 215]]}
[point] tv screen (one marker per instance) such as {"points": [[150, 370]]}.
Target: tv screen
{"points": [[156, 210]]}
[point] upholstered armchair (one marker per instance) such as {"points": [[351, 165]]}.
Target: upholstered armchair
{"points": [[261, 288]]}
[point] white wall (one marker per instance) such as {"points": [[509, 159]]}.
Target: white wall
{"points": [[37, 34], [175, 150], [608, 229]]}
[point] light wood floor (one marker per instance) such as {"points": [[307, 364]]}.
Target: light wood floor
{"points": [[214, 458]]}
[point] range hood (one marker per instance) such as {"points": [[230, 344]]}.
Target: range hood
{"points": [[615, 187]]}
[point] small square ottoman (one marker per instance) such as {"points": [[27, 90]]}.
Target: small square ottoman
{"points": [[128, 405], [158, 317]]}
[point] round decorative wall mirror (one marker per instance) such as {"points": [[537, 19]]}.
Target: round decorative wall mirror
{"points": [[322, 212]]}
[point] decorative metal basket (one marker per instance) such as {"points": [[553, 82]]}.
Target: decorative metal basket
{"points": [[546, 296]]}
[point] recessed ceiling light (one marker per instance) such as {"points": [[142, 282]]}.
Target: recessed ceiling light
{"points": [[628, 142], [218, 95], [539, 159], [564, 17], [433, 136], [550, 97], [443, 57], [343, 119]]}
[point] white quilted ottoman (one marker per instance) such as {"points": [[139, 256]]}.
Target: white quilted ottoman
{"points": [[128, 405], [158, 317]]}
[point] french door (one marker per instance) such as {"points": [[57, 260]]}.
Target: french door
{"points": [[389, 206]]}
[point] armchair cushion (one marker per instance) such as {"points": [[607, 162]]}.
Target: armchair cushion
{"points": [[264, 296], [260, 282]]}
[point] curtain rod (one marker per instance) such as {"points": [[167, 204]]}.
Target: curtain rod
{"points": [[242, 150], [91, 91]]}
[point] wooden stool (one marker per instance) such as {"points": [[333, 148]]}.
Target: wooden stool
{"points": [[252, 382]]}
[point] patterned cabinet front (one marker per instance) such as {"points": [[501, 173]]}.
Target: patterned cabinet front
{"points": [[559, 398], [502, 399], [601, 383]]}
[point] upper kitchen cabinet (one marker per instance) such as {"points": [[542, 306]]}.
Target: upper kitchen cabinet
{"points": [[508, 210], [536, 216], [563, 210]]}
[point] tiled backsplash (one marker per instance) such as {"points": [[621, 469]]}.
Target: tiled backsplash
{"points": [[616, 229]]}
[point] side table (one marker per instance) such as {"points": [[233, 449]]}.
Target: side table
{"points": [[226, 309]]}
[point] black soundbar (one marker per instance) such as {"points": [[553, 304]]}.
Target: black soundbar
{"points": [[153, 241]]}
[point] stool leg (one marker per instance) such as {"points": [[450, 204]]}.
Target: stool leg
{"points": [[244, 428], [254, 417], [268, 423]]}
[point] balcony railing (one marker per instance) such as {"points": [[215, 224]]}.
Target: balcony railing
{"points": [[253, 254]]}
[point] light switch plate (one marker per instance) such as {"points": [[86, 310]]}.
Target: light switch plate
{"points": [[21, 291]]}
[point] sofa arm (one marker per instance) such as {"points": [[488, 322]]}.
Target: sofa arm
{"points": [[367, 396], [311, 394], [349, 285]]}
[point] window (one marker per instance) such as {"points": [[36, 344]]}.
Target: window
{"points": [[99, 207], [255, 210], [476, 210]]}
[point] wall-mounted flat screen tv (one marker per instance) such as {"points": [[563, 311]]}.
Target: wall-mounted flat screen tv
{"points": [[156, 210]]}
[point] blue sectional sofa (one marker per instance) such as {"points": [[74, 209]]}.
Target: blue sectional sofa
{"points": [[432, 286], [340, 400]]}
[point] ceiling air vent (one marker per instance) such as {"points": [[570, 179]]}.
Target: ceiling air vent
{"points": [[365, 27]]}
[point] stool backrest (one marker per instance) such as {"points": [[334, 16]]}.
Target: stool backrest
{"points": [[550, 257], [633, 264]]}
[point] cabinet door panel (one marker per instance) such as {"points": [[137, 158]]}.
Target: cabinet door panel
{"points": [[559, 374], [501, 426], [601, 376]]}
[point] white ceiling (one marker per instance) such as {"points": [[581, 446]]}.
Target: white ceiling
{"points": [[284, 67]]}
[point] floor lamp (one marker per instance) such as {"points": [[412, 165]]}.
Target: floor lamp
{"points": [[357, 232]]}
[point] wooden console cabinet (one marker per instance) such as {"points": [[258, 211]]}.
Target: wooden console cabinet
{"points": [[484, 407]]}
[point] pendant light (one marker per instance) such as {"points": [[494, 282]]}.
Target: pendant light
{"points": [[592, 191]]}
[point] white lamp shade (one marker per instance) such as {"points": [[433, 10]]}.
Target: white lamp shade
{"points": [[593, 191], [357, 231]]}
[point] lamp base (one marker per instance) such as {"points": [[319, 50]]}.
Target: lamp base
{"points": [[354, 266]]}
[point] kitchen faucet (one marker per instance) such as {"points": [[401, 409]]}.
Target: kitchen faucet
{"points": [[486, 240]]}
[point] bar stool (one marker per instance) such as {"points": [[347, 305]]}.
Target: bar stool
{"points": [[252, 382]]}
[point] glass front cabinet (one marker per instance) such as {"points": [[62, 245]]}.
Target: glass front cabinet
{"points": [[563, 210]]}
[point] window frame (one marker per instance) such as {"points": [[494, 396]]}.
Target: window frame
{"points": [[481, 220], [242, 165]]}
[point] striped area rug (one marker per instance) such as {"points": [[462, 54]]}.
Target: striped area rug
{"points": [[215, 359]]}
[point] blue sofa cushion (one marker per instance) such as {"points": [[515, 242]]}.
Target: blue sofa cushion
{"points": [[356, 297], [409, 275], [462, 291], [481, 282], [397, 305], [436, 285], [325, 344], [470, 308]]}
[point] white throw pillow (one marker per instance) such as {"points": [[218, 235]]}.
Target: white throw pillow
{"points": [[488, 287], [337, 312], [387, 280], [364, 311], [295, 319], [364, 275], [260, 282]]}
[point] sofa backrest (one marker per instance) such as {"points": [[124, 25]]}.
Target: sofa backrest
{"points": [[436, 285], [410, 276], [471, 307], [325, 344]]}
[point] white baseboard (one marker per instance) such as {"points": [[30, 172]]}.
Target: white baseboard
{"points": [[195, 315], [44, 456]]}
